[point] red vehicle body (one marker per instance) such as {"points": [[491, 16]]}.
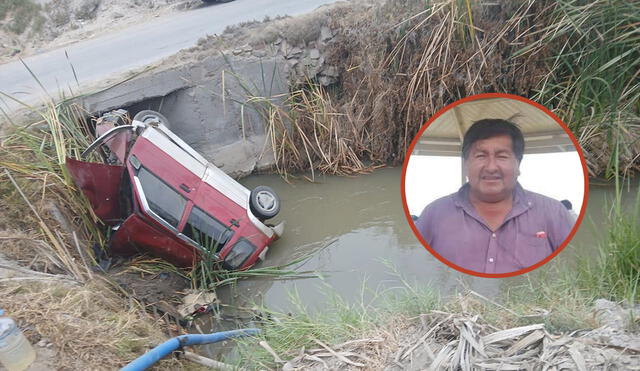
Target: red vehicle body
{"points": [[162, 197]]}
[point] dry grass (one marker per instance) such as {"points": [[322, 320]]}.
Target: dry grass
{"points": [[46, 226], [417, 59], [18, 15], [89, 326], [41, 200], [399, 63], [309, 133], [371, 349], [601, 139], [460, 341]]}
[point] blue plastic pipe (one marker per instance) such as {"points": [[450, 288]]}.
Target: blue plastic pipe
{"points": [[154, 355]]}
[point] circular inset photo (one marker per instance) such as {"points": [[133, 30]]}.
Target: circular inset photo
{"points": [[495, 185]]}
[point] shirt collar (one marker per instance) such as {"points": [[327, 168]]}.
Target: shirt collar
{"points": [[521, 201]]}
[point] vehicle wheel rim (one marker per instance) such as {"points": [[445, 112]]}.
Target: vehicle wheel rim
{"points": [[266, 201]]}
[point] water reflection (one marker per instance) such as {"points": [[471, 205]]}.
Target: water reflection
{"points": [[365, 247], [366, 244]]}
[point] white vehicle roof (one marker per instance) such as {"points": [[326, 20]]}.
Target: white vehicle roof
{"points": [[175, 147], [171, 144]]}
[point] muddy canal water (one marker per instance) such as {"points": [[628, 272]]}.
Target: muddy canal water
{"points": [[364, 249], [361, 239], [363, 245]]}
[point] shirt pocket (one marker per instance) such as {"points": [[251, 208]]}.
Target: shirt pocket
{"points": [[531, 250]]}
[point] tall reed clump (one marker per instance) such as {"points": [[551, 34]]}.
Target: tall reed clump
{"points": [[618, 269], [42, 203], [615, 272], [593, 78], [399, 63], [307, 133]]}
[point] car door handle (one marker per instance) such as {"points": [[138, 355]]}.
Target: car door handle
{"points": [[185, 188]]}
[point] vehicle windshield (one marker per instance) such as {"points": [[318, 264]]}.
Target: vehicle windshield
{"points": [[163, 200], [206, 231]]}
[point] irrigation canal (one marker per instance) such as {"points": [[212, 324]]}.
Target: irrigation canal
{"points": [[363, 246]]}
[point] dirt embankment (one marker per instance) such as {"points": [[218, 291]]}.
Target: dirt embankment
{"points": [[32, 26], [374, 72]]}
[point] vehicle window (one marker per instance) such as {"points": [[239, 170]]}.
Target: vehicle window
{"points": [[206, 231], [239, 254], [163, 200]]}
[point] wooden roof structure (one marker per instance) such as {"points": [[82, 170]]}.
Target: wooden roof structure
{"points": [[444, 136]]}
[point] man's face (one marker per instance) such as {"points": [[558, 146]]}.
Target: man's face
{"points": [[492, 169]]}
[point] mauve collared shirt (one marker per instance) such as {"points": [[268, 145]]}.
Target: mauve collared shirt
{"points": [[534, 228]]}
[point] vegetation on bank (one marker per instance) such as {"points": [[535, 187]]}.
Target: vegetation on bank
{"points": [[579, 58], [48, 225], [562, 299], [20, 14], [411, 59]]}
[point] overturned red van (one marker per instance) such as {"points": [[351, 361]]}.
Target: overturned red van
{"points": [[160, 196]]}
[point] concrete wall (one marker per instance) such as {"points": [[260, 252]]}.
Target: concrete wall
{"points": [[219, 124]]}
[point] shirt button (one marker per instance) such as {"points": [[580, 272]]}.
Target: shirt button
{"points": [[493, 235], [490, 260]]}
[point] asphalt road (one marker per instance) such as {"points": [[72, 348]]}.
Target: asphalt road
{"points": [[134, 47]]}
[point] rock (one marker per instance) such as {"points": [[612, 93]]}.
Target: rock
{"points": [[42, 343], [260, 53], [314, 53], [295, 51], [247, 48], [285, 48], [117, 15], [307, 71], [318, 62], [325, 34], [610, 314], [307, 61], [278, 41], [331, 71], [237, 51], [327, 80]]}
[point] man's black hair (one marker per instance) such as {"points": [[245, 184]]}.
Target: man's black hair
{"points": [[489, 128]]}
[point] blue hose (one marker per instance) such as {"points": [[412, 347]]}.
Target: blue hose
{"points": [[154, 355]]}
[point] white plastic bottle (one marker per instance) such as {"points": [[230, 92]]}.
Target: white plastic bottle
{"points": [[16, 353]]}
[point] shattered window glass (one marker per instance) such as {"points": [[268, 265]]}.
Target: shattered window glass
{"points": [[162, 199], [206, 231], [239, 254]]}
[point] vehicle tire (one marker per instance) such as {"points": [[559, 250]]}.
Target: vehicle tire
{"points": [[148, 116], [264, 202]]}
